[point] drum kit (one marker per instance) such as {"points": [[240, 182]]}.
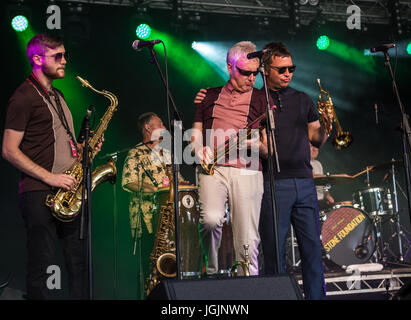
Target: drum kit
{"points": [[352, 231]]}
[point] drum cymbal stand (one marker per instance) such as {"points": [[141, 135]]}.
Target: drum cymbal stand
{"points": [[383, 251], [368, 179], [293, 244], [396, 218]]}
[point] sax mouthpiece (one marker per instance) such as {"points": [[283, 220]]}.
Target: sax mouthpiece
{"points": [[83, 81]]}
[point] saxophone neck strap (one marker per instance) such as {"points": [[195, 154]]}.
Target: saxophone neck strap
{"points": [[56, 106]]}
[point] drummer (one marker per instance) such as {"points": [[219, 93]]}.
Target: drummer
{"points": [[325, 199], [144, 172]]}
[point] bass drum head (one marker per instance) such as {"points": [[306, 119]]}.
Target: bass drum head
{"points": [[348, 236]]}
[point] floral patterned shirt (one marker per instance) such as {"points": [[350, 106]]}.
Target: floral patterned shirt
{"points": [[154, 161]]}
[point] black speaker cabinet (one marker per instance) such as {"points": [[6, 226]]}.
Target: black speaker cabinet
{"points": [[278, 287]]}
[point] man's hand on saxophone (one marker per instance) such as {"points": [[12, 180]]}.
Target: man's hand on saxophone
{"points": [[80, 146], [61, 180]]}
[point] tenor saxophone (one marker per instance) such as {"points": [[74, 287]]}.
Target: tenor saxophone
{"points": [[65, 205], [163, 259]]}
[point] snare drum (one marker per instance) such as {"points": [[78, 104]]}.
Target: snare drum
{"points": [[190, 252], [375, 201], [348, 236]]}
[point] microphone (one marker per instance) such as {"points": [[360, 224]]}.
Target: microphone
{"points": [[149, 142], [148, 174], [84, 125], [383, 47], [138, 44], [257, 54], [361, 250]]}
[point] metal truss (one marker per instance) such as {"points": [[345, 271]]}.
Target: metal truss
{"points": [[366, 283], [372, 12]]}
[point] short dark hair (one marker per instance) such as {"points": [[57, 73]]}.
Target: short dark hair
{"points": [[277, 49], [39, 44], [143, 119]]}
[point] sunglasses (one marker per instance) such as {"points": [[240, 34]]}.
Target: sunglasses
{"points": [[281, 70], [58, 56], [247, 73]]}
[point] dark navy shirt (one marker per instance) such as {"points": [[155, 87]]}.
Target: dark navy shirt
{"points": [[294, 111]]}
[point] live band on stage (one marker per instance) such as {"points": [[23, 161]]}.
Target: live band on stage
{"points": [[261, 204]]}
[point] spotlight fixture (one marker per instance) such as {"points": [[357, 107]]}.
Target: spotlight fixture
{"points": [[143, 31], [19, 23], [323, 42]]}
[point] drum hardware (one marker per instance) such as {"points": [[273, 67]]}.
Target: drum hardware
{"points": [[375, 201], [387, 206], [361, 251], [337, 179], [292, 245], [383, 207]]}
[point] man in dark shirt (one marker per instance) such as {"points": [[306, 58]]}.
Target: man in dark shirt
{"points": [[39, 141], [296, 125]]}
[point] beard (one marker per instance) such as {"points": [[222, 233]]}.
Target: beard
{"points": [[53, 73]]}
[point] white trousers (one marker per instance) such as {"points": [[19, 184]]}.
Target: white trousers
{"points": [[244, 190]]}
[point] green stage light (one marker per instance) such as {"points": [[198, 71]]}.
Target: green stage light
{"points": [[409, 48], [19, 23], [323, 42], [143, 31]]}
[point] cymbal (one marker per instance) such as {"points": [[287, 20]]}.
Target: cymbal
{"points": [[324, 179], [386, 165]]}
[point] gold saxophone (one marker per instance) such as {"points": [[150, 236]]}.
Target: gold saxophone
{"points": [[163, 259], [230, 144], [65, 205]]}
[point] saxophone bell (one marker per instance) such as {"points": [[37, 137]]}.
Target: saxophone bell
{"points": [[167, 265]]}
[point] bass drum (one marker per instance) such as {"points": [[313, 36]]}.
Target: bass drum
{"points": [[348, 236], [190, 249]]}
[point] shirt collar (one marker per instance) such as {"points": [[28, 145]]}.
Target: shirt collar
{"points": [[230, 88], [283, 91]]}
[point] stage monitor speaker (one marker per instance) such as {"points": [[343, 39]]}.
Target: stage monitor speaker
{"points": [[279, 287]]}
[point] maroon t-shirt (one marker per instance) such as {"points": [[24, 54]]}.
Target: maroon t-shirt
{"points": [[225, 109], [45, 141]]}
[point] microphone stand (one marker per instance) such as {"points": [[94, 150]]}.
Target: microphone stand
{"points": [[174, 166], [271, 137], [114, 157], [86, 205], [406, 131], [137, 236]]}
